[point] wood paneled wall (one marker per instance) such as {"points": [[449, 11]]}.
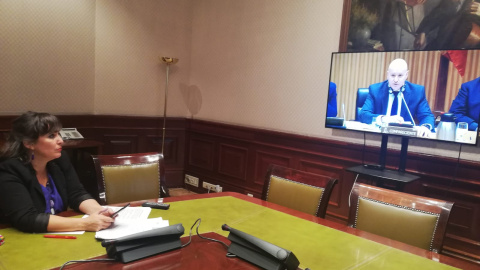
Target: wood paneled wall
{"points": [[237, 158]]}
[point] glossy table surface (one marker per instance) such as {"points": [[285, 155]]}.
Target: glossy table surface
{"points": [[341, 248]]}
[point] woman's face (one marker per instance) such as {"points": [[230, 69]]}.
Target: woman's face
{"points": [[48, 146]]}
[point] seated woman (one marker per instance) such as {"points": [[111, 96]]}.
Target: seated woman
{"points": [[37, 180]]}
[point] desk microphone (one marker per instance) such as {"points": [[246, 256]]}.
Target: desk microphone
{"points": [[271, 249], [259, 252], [144, 244], [408, 110]]}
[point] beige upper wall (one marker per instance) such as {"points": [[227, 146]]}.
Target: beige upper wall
{"points": [[130, 37], [93, 56], [252, 58], [265, 63], [47, 54], [259, 63]]}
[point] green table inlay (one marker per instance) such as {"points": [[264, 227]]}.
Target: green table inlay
{"points": [[316, 246], [33, 251]]}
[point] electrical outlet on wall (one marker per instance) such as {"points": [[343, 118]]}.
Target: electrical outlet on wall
{"points": [[212, 187], [191, 180]]}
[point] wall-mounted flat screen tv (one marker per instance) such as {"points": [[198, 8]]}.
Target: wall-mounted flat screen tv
{"points": [[434, 95]]}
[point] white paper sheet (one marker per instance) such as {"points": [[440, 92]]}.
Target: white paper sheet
{"points": [[131, 213], [127, 227]]}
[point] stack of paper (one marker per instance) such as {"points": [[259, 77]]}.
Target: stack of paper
{"points": [[131, 220]]}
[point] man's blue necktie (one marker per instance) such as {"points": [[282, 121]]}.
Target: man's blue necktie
{"points": [[394, 103]]}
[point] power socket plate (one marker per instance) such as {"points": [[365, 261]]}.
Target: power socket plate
{"points": [[212, 187], [191, 180]]}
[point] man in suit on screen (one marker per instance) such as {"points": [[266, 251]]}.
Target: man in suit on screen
{"points": [[397, 101], [466, 105]]}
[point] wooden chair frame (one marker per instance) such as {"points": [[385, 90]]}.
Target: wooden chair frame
{"points": [[129, 159], [316, 180], [405, 201]]}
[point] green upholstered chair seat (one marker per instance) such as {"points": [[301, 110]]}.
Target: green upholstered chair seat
{"points": [[300, 190], [122, 182], [294, 195], [130, 177], [403, 224], [404, 217]]}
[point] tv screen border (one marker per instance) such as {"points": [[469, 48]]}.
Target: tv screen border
{"points": [[431, 65]]}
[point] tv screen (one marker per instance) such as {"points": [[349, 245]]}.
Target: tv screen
{"points": [[433, 95]]}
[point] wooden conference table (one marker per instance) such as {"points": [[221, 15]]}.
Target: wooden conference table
{"points": [[317, 243]]}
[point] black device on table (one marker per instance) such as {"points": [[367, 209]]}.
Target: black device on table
{"points": [[259, 252], [144, 244], [407, 125], [163, 206]]}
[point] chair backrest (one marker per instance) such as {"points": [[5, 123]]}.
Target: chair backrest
{"points": [[130, 177], [362, 94], [408, 218], [299, 190]]}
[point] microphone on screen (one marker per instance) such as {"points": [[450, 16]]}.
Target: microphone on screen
{"points": [[408, 109]]}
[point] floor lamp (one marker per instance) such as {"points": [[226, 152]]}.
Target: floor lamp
{"points": [[168, 61]]}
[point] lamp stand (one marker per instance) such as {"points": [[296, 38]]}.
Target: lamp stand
{"points": [[168, 61]]}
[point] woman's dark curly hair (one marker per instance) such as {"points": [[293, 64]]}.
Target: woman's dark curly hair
{"points": [[27, 128]]}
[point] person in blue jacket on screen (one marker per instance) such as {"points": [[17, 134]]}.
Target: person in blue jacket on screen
{"points": [[332, 100], [466, 106], [384, 101]]}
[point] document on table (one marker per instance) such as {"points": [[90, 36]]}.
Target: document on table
{"points": [[132, 213], [129, 221], [129, 213]]}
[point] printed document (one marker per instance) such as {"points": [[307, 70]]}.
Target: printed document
{"points": [[129, 221]]}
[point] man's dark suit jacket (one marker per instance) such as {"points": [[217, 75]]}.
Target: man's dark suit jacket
{"points": [[377, 102], [22, 202], [466, 105], [332, 100]]}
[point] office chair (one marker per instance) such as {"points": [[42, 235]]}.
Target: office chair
{"points": [[299, 190], [362, 94], [130, 177], [408, 218]]}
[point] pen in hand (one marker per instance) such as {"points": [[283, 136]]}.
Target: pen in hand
{"points": [[116, 213]]}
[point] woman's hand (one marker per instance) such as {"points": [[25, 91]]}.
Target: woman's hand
{"points": [[106, 212], [99, 221], [96, 221]]}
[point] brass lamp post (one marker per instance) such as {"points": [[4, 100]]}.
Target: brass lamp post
{"points": [[168, 61]]}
